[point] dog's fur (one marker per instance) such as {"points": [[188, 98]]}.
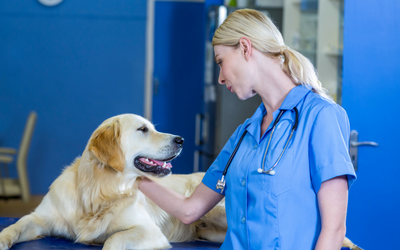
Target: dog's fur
{"points": [[96, 200]]}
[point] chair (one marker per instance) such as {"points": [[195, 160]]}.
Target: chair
{"points": [[17, 188]]}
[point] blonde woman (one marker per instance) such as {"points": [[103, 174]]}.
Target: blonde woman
{"points": [[287, 186]]}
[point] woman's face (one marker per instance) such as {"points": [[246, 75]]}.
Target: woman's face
{"points": [[234, 71]]}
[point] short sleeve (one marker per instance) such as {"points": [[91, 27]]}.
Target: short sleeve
{"points": [[214, 172], [329, 140]]}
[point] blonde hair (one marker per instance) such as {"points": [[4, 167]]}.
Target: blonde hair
{"points": [[265, 37]]}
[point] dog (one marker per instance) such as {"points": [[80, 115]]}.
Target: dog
{"points": [[96, 199]]}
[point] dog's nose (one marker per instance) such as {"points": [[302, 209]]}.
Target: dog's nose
{"points": [[179, 141]]}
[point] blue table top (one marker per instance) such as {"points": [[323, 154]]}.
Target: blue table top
{"points": [[61, 243]]}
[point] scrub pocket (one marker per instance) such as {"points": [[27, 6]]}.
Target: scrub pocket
{"points": [[282, 180]]}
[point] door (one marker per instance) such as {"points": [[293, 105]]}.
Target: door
{"points": [[371, 88], [178, 73]]}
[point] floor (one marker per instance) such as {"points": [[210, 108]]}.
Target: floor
{"points": [[16, 208]]}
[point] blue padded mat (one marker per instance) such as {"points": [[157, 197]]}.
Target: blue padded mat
{"points": [[61, 243]]}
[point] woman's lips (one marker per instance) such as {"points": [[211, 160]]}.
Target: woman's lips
{"points": [[230, 89]]}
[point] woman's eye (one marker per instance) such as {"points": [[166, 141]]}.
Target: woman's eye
{"points": [[220, 63], [143, 129]]}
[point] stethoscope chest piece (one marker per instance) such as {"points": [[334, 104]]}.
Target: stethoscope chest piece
{"points": [[221, 184]]}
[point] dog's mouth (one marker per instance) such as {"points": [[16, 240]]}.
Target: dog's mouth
{"points": [[159, 168]]}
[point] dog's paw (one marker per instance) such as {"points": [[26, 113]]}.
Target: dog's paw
{"points": [[120, 246], [349, 244], [113, 246], [121, 241], [3, 246], [7, 238]]}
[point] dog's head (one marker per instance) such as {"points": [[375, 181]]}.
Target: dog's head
{"points": [[131, 143]]}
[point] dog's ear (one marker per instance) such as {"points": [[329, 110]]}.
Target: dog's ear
{"points": [[105, 145]]}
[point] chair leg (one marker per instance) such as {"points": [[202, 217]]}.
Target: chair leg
{"points": [[3, 180], [6, 173]]}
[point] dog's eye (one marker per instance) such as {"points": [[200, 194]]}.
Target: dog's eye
{"points": [[144, 129]]}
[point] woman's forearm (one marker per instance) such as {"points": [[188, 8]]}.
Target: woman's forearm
{"points": [[170, 201], [332, 202], [330, 239], [185, 209]]}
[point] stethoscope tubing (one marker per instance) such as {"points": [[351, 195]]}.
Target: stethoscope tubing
{"points": [[269, 171], [221, 183]]}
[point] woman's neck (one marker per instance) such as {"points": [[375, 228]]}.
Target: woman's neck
{"points": [[273, 89]]}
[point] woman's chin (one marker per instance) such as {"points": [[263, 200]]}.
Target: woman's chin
{"points": [[245, 97]]}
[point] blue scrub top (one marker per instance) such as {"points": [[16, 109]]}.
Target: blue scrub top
{"points": [[281, 211]]}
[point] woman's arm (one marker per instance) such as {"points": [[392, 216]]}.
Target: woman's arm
{"points": [[332, 202], [185, 209]]}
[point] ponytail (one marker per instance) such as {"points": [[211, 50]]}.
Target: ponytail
{"points": [[301, 71]]}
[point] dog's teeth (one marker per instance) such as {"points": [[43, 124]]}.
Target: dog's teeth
{"points": [[146, 159], [165, 164]]}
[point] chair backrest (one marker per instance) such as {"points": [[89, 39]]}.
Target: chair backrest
{"points": [[23, 155]]}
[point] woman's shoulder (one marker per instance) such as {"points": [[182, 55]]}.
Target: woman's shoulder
{"points": [[317, 107], [316, 103]]}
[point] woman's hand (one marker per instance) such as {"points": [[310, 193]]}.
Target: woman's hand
{"points": [[185, 209], [332, 202]]}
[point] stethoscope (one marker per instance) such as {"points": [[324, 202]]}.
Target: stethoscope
{"points": [[271, 171]]}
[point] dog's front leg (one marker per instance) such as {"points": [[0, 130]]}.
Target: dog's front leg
{"points": [[27, 228], [139, 237]]}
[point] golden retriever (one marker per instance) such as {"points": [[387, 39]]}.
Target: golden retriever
{"points": [[96, 200]]}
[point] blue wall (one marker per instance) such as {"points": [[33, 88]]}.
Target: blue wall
{"points": [[76, 64]]}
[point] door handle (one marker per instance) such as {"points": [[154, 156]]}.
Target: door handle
{"points": [[354, 143], [363, 143]]}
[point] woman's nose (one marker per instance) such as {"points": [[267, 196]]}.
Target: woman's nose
{"points": [[221, 78]]}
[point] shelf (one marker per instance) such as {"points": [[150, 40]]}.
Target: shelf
{"points": [[334, 52], [299, 25]]}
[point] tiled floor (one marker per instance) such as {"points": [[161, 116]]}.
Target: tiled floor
{"points": [[16, 208]]}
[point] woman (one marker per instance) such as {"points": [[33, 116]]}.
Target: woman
{"points": [[301, 202]]}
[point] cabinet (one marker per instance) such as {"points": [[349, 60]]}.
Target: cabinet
{"points": [[315, 28]]}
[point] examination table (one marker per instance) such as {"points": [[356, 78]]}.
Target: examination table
{"points": [[61, 243]]}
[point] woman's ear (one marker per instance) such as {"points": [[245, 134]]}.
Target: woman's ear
{"points": [[105, 145], [245, 47]]}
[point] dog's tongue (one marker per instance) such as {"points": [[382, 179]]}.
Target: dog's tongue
{"points": [[161, 163]]}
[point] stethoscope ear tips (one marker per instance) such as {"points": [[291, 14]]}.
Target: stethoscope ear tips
{"points": [[270, 172]]}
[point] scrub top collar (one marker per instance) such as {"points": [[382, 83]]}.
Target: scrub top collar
{"points": [[295, 96], [292, 99]]}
